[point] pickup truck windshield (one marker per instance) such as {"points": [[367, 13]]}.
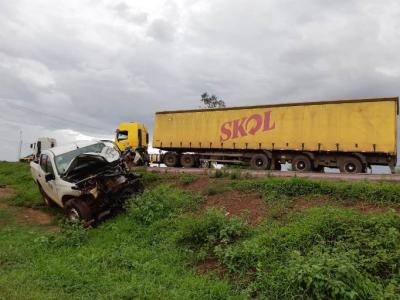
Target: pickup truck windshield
{"points": [[62, 161]]}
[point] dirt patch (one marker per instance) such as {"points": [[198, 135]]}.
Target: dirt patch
{"points": [[211, 265], [370, 208], [25, 215], [304, 203], [237, 203], [201, 184], [29, 215], [6, 192]]}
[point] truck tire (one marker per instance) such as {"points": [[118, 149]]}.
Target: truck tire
{"points": [[188, 160], [77, 211], [350, 165], [260, 161], [171, 159], [301, 163]]}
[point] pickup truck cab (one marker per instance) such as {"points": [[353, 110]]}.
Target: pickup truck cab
{"points": [[88, 179]]}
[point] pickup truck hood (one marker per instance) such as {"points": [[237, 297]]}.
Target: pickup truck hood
{"points": [[93, 161]]}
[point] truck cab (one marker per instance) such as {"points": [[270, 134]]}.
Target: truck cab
{"points": [[41, 144], [131, 134]]}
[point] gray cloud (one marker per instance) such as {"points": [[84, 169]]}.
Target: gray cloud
{"points": [[97, 63]]}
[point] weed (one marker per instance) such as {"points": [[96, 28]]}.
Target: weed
{"points": [[217, 174], [211, 229], [323, 253], [161, 202], [275, 188], [216, 189], [149, 178], [18, 176], [123, 258], [187, 178], [235, 175], [71, 235]]}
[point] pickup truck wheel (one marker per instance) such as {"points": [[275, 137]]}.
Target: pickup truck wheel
{"points": [[171, 159], [77, 211], [47, 201], [260, 162], [301, 163]]}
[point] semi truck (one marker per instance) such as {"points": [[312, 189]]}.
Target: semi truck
{"points": [[41, 144], [351, 135]]}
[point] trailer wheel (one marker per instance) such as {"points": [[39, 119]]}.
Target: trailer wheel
{"points": [[350, 165], [301, 163], [188, 160], [171, 159], [77, 211], [260, 162]]}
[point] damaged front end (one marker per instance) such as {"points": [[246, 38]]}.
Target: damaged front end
{"points": [[105, 184]]}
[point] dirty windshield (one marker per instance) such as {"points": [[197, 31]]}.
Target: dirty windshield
{"points": [[62, 161]]}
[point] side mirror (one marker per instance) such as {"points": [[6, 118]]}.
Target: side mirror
{"points": [[49, 176]]}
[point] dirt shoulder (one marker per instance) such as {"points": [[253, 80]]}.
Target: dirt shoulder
{"points": [[23, 215]]}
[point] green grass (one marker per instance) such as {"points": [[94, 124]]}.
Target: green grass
{"points": [[128, 257], [276, 188], [187, 178], [324, 253], [151, 251], [19, 177]]}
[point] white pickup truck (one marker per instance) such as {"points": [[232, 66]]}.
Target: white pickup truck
{"points": [[89, 179]]}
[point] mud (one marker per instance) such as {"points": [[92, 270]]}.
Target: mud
{"points": [[200, 185], [237, 203]]}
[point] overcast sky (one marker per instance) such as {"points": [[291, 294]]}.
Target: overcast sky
{"points": [[75, 69]]}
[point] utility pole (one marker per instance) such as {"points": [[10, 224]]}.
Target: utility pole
{"points": [[19, 145]]}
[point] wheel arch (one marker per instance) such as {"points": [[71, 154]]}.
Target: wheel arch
{"points": [[361, 157]]}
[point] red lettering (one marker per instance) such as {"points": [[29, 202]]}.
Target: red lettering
{"points": [[257, 126], [225, 130], [247, 125], [267, 121], [238, 128]]}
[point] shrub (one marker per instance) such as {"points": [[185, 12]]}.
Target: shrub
{"points": [[187, 178], [235, 175], [275, 188], [324, 253], [216, 189], [217, 174], [161, 202], [211, 229], [71, 235], [323, 275], [150, 177]]}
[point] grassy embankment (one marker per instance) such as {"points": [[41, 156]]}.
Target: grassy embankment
{"points": [[154, 249]]}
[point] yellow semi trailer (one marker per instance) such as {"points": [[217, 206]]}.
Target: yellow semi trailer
{"points": [[349, 134]]}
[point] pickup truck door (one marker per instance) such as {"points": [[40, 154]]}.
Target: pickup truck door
{"points": [[46, 167]]}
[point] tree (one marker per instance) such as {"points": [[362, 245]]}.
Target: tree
{"points": [[212, 101]]}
